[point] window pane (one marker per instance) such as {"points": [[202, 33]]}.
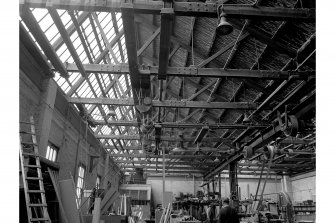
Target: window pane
{"points": [[48, 151], [54, 156], [51, 153]]}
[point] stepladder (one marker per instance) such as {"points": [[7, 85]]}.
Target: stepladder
{"points": [[31, 173]]}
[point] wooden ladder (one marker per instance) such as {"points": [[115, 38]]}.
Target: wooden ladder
{"points": [[31, 174]]}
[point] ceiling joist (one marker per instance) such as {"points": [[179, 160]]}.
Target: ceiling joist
{"points": [[196, 9], [167, 103], [197, 72]]}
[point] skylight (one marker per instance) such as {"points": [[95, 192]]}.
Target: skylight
{"points": [[90, 40]]}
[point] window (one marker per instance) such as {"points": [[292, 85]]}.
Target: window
{"points": [[97, 183], [80, 182], [52, 153]]}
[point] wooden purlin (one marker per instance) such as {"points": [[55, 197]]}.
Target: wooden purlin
{"points": [[167, 103], [71, 29], [198, 72], [66, 38], [30, 21], [140, 85], [30, 45], [167, 15], [163, 138], [184, 125], [96, 61]]}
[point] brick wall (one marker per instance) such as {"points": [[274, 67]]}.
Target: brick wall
{"points": [[70, 141]]}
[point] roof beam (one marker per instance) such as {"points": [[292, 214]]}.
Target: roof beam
{"points": [[218, 169], [174, 171], [96, 36], [196, 52], [168, 103], [30, 21], [233, 73], [95, 19], [97, 60], [80, 34], [201, 168], [159, 162], [267, 136], [139, 83], [159, 167], [194, 149], [70, 30], [186, 125], [222, 50], [86, 48], [30, 45], [197, 9], [243, 166], [244, 174], [278, 90], [116, 29], [167, 156], [149, 41], [104, 37], [129, 27], [202, 133], [60, 26], [172, 174], [198, 72], [163, 138], [107, 60], [167, 15], [53, 13], [111, 44]]}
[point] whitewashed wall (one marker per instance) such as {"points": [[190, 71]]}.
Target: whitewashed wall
{"points": [[303, 187], [186, 185]]}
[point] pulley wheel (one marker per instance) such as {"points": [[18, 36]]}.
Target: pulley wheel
{"points": [[293, 126], [247, 152]]}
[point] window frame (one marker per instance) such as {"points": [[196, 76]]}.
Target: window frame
{"points": [[98, 182], [52, 152], [80, 182]]}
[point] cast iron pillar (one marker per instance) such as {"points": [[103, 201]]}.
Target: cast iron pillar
{"points": [[233, 184]]}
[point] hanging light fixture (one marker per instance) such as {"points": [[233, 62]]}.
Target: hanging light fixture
{"points": [[176, 149], [111, 112], [246, 119], [216, 159], [224, 27]]}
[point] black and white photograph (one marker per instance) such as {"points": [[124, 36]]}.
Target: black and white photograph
{"points": [[168, 111]]}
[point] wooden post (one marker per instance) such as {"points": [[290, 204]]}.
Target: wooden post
{"points": [[208, 187], [105, 172], [96, 211], [194, 187], [233, 183], [163, 174], [220, 190], [47, 103], [286, 184]]}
